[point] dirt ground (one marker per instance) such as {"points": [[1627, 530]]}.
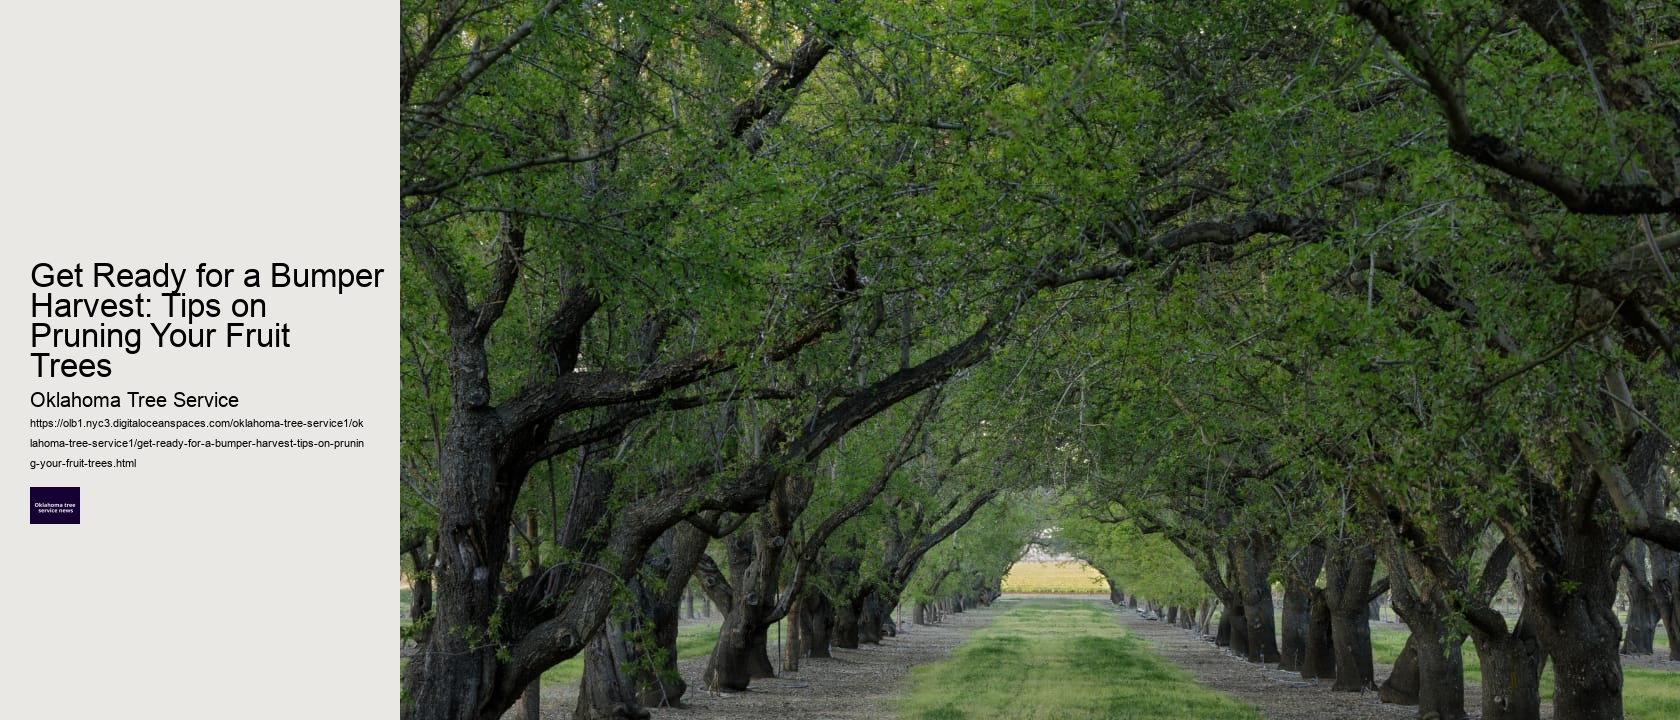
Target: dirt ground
{"points": [[1280, 695], [860, 684], [853, 685]]}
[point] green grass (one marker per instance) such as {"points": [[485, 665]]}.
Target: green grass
{"points": [[1062, 659], [1053, 577], [1650, 694], [1646, 694]]}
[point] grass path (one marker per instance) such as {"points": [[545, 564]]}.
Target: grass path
{"points": [[1053, 658]]}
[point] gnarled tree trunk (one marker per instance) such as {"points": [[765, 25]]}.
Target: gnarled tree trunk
{"points": [[1347, 592], [1254, 571], [1319, 662], [1297, 605], [1642, 612], [1511, 667]]}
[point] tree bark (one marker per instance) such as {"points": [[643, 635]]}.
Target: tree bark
{"points": [[1234, 625], [1569, 583], [676, 555], [1665, 584], [872, 617], [1511, 666], [790, 654], [1319, 660], [846, 625], [1401, 687], [742, 651], [1297, 605], [1347, 590], [816, 620], [1257, 556], [1642, 614], [1575, 618], [611, 694], [1437, 657]]}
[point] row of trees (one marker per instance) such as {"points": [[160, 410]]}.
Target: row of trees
{"points": [[1475, 383], [1267, 281]]}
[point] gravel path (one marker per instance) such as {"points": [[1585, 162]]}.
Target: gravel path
{"points": [[1280, 694]]}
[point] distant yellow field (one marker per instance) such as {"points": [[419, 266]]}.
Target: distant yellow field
{"points": [[1071, 576]]}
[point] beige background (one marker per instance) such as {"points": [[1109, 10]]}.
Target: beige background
{"points": [[215, 582]]}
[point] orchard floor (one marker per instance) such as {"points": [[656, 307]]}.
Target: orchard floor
{"points": [[1280, 694], [853, 685], [860, 684]]}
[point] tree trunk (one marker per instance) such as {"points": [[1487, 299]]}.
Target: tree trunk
{"points": [[458, 674], [608, 689], [1642, 613], [529, 706], [1430, 672], [871, 618], [1235, 614], [672, 562], [845, 626], [790, 653], [1665, 584], [742, 653], [609, 692], [1441, 675], [1350, 631], [1578, 627], [1347, 589], [1297, 605], [1569, 587], [643, 643], [1401, 687], [420, 585], [1319, 660], [919, 615], [816, 620], [1257, 556], [1511, 667], [450, 677]]}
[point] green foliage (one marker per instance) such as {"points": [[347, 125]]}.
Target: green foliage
{"points": [[1428, 350]]}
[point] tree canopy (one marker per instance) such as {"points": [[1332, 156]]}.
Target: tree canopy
{"points": [[1230, 293]]}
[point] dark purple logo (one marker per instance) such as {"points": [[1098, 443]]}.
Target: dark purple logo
{"points": [[55, 506]]}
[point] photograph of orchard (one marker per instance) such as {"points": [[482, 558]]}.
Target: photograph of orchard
{"points": [[827, 312]]}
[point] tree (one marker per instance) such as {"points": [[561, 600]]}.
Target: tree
{"points": [[583, 279]]}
